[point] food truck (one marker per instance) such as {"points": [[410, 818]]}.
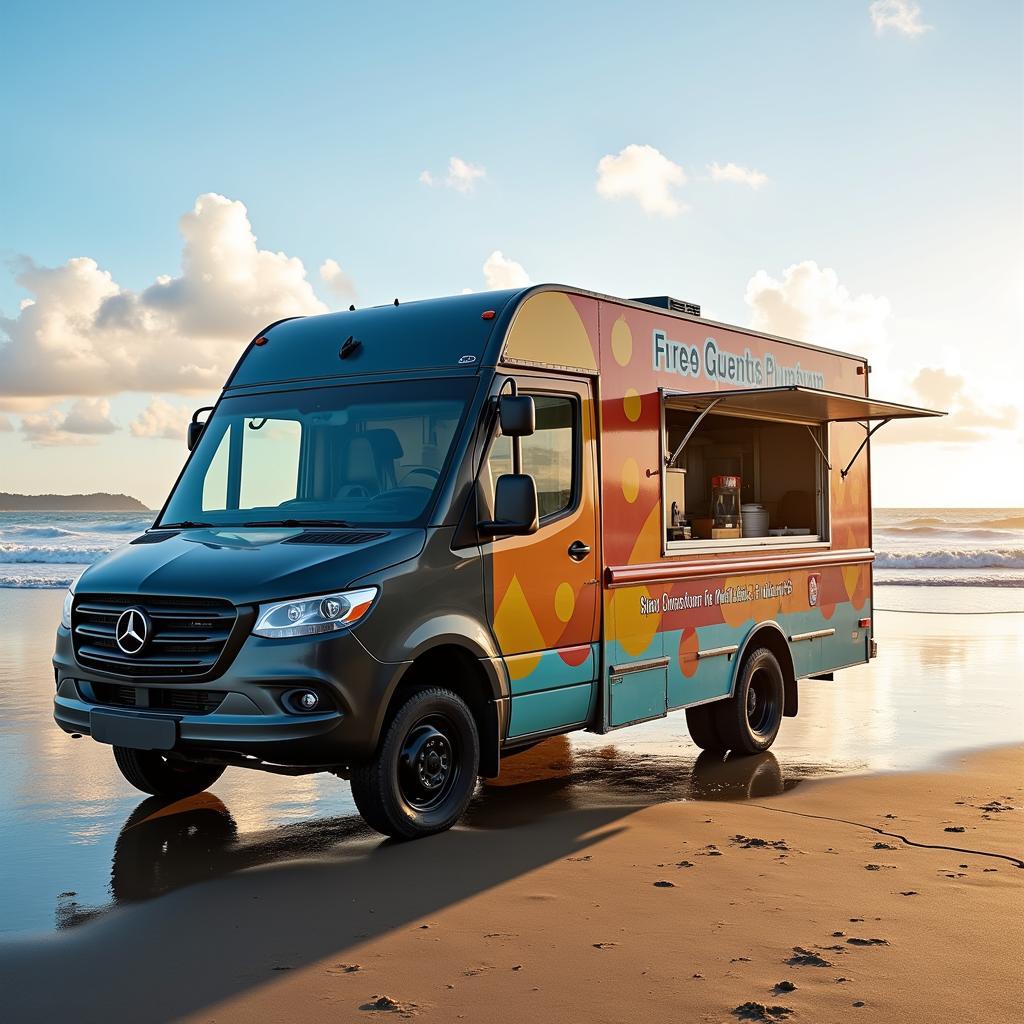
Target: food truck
{"points": [[412, 538]]}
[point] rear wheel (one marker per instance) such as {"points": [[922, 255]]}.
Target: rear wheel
{"points": [[152, 772], [425, 771], [750, 721]]}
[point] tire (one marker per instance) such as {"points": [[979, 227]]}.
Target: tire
{"points": [[151, 772], [750, 721], [700, 721], [425, 770]]}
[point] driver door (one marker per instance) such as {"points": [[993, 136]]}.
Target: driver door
{"points": [[543, 588]]}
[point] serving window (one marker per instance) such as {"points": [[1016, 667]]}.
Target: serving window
{"points": [[750, 467], [740, 481]]}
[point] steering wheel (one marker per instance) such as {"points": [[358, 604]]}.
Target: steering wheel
{"points": [[417, 471]]}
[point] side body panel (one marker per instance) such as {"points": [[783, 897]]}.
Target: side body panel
{"points": [[671, 631]]}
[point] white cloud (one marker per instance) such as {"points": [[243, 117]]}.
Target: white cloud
{"points": [[902, 15], [809, 304], [968, 420], [161, 419], [737, 174], [83, 334], [5, 424], [336, 280], [501, 272], [644, 174], [462, 176], [81, 424]]}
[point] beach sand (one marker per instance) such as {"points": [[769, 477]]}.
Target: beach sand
{"points": [[688, 910], [267, 899]]}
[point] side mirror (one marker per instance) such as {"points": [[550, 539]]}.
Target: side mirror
{"points": [[517, 415], [195, 428], [195, 431], [515, 507]]}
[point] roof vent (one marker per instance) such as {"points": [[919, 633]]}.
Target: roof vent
{"points": [[675, 305]]}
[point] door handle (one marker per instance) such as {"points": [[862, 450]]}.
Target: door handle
{"points": [[578, 550]]}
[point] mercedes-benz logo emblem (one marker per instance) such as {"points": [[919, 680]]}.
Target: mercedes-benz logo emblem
{"points": [[132, 630]]}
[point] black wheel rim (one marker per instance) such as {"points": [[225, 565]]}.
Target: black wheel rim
{"points": [[428, 766], [762, 703]]}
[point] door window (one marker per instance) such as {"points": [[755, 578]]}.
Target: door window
{"points": [[549, 455]]}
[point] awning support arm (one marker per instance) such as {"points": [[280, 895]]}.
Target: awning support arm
{"points": [[824, 457], [867, 437], [690, 432]]}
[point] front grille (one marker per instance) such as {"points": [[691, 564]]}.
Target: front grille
{"points": [[187, 635], [189, 702]]}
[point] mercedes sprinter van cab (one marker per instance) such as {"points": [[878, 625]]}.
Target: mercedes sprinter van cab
{"points": [[410, 538]]}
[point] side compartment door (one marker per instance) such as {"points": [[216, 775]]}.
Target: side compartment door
{"points": [[544, 589]]}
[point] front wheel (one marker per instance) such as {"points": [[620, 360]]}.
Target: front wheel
{"points": [[425, 770], [750, 721], [153, 773]]}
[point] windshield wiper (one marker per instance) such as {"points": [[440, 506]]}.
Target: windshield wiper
{"points": [[298, 522], [185, 524]]}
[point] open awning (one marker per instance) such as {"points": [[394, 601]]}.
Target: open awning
{"points": [[794, 404], [797, 405]]}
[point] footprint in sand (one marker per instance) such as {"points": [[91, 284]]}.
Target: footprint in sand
{"points": [[954, 828], [909, 892], [806, 958], [783, 986], [868, 942], [756, 843], [884, 846], [345, 969], [760, 1012], [880, 867], [604, 945], [385, 1004], [662, 884]]}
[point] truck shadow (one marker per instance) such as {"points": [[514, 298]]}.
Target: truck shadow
{"points": [[323, 886]]}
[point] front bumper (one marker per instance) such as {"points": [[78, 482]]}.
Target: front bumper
{"points": [[250, 721]]}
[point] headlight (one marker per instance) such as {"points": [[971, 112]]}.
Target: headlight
{"points": [[65, 612], [325, 613]]}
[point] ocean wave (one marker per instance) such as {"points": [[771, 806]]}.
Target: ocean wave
{"points": [[45, 532], [957, 519], [966, 580], [953, 532], [129, 526], [19, 554], [952, 558], [49, 581]]}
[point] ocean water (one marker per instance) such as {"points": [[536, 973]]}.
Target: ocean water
{"points": [[926, 547]]}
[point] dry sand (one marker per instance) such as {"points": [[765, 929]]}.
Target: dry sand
{"points": [[825, 904]]}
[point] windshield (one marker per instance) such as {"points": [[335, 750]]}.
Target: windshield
{"points": [[360, 454]]}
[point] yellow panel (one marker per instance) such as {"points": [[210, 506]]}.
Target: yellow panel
{"points": [[547, 329]]}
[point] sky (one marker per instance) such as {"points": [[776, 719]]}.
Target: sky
{"points": [[175, 177]]}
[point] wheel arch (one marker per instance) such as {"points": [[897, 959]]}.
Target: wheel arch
{"points": [[452, 664], [771, 635]]}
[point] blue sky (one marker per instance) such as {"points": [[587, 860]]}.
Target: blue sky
{"points": [[892, 157]]}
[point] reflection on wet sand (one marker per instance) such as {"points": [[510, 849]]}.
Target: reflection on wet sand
{"points": [[164, 846], [942, 683]]}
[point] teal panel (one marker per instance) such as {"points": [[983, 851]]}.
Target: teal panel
{"points": [[552, 671], [550, 709], [636, 696]]}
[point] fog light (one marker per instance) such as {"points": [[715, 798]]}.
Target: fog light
{"points": [[307, 700]]}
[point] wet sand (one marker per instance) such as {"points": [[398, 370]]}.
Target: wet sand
{"points": [[545, 901], [896, 896]]}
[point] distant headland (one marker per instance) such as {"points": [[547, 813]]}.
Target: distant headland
{"points": [[98, 502]]}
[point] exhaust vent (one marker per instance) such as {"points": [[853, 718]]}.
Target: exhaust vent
{"points": [[674, 305]]}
